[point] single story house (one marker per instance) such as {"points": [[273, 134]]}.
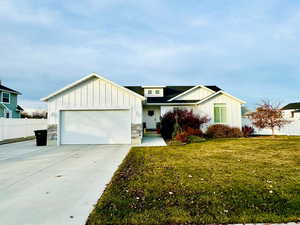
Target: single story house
{"points": [[95, 110], [9, 107], [292, 110]]}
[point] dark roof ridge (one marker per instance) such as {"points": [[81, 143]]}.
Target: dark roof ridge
{"points": [[294, 105]]}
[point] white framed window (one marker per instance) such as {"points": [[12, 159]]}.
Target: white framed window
{"points": [[220, 113], [157, 92], [5, 98], [149, 92]]}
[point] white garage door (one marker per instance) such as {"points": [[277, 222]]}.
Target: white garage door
{"points": [[95, 127]]}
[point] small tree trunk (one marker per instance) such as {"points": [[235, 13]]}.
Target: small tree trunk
{"points": [[273, 132]]}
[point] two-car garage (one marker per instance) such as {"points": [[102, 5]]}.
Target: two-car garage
{"points": [[95, 110], [95, 127]]}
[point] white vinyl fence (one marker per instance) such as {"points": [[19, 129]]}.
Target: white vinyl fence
{"points": [[292, 129], [18, 128]]}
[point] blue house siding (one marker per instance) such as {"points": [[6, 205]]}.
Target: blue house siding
{"points": [[12, 106]]}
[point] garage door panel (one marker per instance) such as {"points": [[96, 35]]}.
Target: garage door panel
{"points": [[96, 127]]}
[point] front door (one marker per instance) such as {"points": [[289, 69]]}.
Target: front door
{"points": [[151, 124], [151, 117]]}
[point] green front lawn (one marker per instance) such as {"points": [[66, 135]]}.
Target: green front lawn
{"points": [[219, 181]]}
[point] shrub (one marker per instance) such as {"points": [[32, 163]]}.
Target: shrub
{"points": [[186, 119], [195, 139], [247, 131], [177, 129], [194, 132], [182, 137], [234, 132], [223, 131]]}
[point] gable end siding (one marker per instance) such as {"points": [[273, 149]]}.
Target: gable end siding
{"points": [[197, 94], [234, 109], [95, 93]]}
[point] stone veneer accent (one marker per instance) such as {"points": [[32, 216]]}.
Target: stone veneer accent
{"points": [[52, 132], [136, 133]]}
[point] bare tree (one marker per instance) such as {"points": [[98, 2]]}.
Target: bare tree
{"points": [[268, 115], [35, 115]]}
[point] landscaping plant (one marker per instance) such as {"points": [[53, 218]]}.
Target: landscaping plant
{"points": [[247, 131], [186, 119], [268, 116], [223, 131]]}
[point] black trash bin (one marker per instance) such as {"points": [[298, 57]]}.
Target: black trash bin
{"points": [[41, 137]]}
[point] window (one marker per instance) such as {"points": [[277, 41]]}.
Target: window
{"points": [[157, 92], [149, 92], [5, 97], [220, 113], [150, 113], [293, 114]]}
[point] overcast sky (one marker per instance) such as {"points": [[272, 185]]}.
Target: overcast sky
{"points": [[249, 48]]}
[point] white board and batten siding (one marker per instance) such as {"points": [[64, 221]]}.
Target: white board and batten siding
{"points": [[95, 110], [95, 93], [196, 94], [234, 112]]}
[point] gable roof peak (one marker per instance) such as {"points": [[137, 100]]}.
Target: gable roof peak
{"points": [[85, 79], [4, 88]]}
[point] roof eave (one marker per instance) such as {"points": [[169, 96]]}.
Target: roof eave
{"points": [[221, 92], [13, 92], [189, 90], [167, 103], [84, 79]]}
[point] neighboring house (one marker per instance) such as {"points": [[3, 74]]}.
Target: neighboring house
{"points": [[95, 110], [292, 111], [9, 107]]}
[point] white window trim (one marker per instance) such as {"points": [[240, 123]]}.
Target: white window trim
{"points": [[225, 123], [8, 98]]}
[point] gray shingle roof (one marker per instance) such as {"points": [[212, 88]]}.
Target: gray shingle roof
{"points": [[3, 88], [295, 105], [169, 92]]}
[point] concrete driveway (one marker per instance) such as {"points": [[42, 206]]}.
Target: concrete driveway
{"points": [[54, 185]]}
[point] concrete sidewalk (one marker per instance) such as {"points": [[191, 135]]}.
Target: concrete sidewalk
{"points": [[54, 185], [153, 140]]}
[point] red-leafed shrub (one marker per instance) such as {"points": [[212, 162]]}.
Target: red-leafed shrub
{"points": [[247, 131], [194, 132], [182, 137], [234, 132], [186, 119], [223, 131]]}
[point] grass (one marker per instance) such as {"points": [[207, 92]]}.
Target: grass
{"points": [[219, 181]]}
